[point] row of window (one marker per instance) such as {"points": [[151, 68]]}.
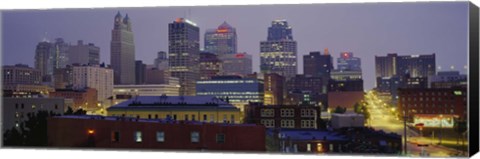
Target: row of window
{"points": [[270, 123], [287, 112], [22, 106], [160, 137]]}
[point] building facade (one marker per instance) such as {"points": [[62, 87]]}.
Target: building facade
{"points": [[21, 74], [210, 65], [283, 116], [222, 40], [317, 65], [85, 99], [315, 88], [94, 76], [140, 69], [279, 53], [348, 62], [43, 53], [115, 132], [236, 90], [347, 120], [83, 54], [63, 77], [447, 79], [17, 110], [433, 101], [274, 90], [184, 53], [238, 64], [122, 50], [181, 108], [124, 92]]}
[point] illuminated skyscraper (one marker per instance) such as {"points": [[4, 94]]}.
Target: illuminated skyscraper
{"points": [[122, 51], [279, 53], [184, 54], [42, 59], [222, 40], [239, 64]]}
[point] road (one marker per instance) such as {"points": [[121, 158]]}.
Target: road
{"points": [[382, 118]]}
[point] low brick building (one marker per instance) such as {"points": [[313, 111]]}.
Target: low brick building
{"points": [[134, 133], [85, 99]]}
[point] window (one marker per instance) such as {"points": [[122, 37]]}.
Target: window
{"points": [[16, 105], [33, 106], [23, 106], [212, 118], [319, 147], [267, 112], [174, 116], [156, 116], [232, 118], [309, 147], [195, 137], [193, 117], [287, 123], [138, 136], [269, 123], [149, 116], [160, 136], [186, 117], [115, 136], [204, 117], [56, 106], [331, 147], [287, 112], [224, 118], [220, 138]]}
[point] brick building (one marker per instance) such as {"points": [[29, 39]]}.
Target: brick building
{"points": [[283, 116], [434, 101], [132, 133], [85, 99]]}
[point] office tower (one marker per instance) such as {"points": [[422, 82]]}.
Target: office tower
{"points": [[233, 89], [340, 75], [273, 89], [43, 63], [122, 50], [161, 62], [385, 66], [447, 79], [279, 53], [60, 56], [239, 64], [140, 68], [416, 65], [84, 54], [63, 77], [303, 89], [94, 76], [184, 53], [222, 40], [210, 65], [317, 65], [346, 62]]}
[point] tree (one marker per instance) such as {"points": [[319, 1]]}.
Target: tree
{"points": [[460, 127], [357, 108], [32, 132], [77, 112]]}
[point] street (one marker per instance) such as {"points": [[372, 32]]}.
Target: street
{"points": [[383, 118]]}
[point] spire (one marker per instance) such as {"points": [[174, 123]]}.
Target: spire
{"points": [[224, 25], [118, 15]]}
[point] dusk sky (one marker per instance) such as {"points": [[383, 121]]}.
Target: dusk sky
{"points": [[365, 29]]}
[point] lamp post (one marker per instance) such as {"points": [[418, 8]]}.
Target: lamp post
{"points": [[441, 127], [405, 131]]}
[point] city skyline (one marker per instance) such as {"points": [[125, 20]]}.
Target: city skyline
{"points": [[366, 30]]}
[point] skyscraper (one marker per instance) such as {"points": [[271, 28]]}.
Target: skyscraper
{"points": [[210, 65], [60, 54], [222, 40], [317, 65], [239, 64], [385, 66], [122, 50], [279, 53], [184, 53], [94, 76], [84, 54], [42, 60], [161, 62], [140, 68], [346, 62]]}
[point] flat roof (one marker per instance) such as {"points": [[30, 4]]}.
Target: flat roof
{"points": [[309, 134], [133, 119], [174, 103]]}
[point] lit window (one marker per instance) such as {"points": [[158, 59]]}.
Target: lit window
{"points": [[195, 137], [319, 147], [160, 136], [309, 147], [138, 136]]}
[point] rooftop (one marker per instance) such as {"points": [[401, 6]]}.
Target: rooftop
{"points": [[308, 134], [174, 103], [133, 119]]}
